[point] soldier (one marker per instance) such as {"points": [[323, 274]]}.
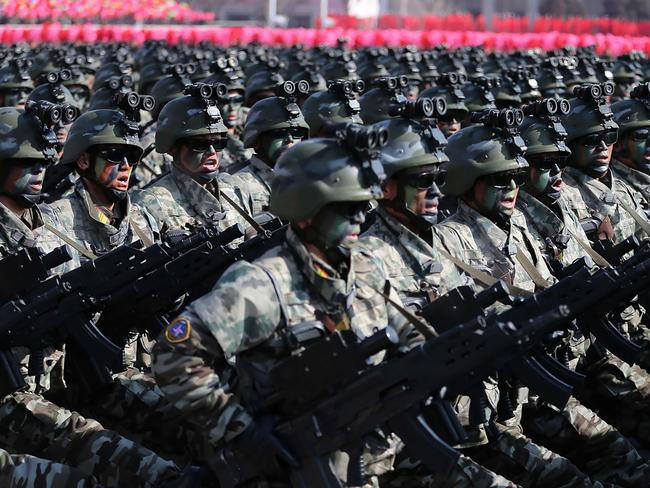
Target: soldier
{"points": [[316, 275], [15, 83], [631, 162], [608, 207], [337, 105], [576, 432], [403, 239], [274, 124], [24, 470], [191, 131], [28, 422], [488, 238], [103, 148]]}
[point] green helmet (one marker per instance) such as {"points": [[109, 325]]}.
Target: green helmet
{"points": [[478, 151], [270, 114], [324, 107], [631, 114], [260, 82], [543, 136], [21, 134], [507, 94], [98, 127], [149, 75], [317, 172], [53, 93], [455, 99], [588, 116], [371, 71], [626, 72], [316, 81], [478, 96], [551, 82], [340, 70], [15, 75], [165, 90], [410, 145], [111, 70], [187, 116]]}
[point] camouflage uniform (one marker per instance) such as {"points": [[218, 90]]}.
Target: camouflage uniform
{"points": [[417, 272], [591, 198], [255, 179], [22, 470], [176, 200], [638, 180], [243, 311], [234, 154], [159, 163], [576, 432], [479, 242]]}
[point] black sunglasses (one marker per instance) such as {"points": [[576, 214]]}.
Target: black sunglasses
{"points": [[641, 134], [609, 137], [424, 181], [545, 162], [204, 145], [117, 155], [503, 180], [351, 209]]}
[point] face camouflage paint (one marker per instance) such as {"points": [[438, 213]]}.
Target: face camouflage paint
{"points": [[22, 179], [339, 224]]}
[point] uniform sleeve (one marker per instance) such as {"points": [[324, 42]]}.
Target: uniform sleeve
{"points": [[191, 358]]}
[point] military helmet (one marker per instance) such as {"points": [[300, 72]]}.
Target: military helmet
{"points": [[314, 173], [111, 70], [53, 94], [589, 114], [165, 90], [270, 114], [184, 117], [259, 82], [478, 97], [326, 107], [478, 151], [98, 127], [542, 137], [317, 82], [14, 76], [410, 145], [631, 114], [455, 104], [22, 136], [149, 75]]}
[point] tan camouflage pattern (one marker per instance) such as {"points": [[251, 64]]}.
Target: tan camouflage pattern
{"points": [[153, 164], [479, 242], [518, 459], [23, 471], [255, 180], [31, 424], [591, 198], [78, 218], [593, 445], [413, 265], [176, 200], [638, 180], [550, 229], [234, 153], [243, 311]]}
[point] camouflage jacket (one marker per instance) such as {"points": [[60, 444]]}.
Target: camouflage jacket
{"points": [[15, 234], [176, 200], [194, 360], [414, 266], [153, 164], [80, 219], [479, 242], [590, 198], [255, 179], [555, 234], [638, 180], [234, 154]]}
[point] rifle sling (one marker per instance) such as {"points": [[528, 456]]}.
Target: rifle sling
{"points": [[71, 242], [254, 224], [481, 276], [643, 223], [591, 252], [530, 268]]}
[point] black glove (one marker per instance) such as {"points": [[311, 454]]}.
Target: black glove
{"points": [[260, 444]]}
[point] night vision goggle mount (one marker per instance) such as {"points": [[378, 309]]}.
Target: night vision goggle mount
{"points": [[130, 103], [393, 86], [422, 108], [288, 92], [21, 66], [486, 84], [594, 94], [209, 95], [453, 81], [550, 110], [49, 116], [506, 122], [54, 80], [366, 143], [182, 72], [642, 94]]}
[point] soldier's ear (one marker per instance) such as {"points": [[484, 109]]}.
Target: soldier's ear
{"points": [[303, 224], [390, 189], [83, 163]]}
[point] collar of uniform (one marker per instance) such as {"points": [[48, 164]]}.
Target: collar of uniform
{"points": [[94, 210], [423, 255], [205, 201], [321, 275], [539, 214], [260, 168], [490, 231], [634, 177], [15, 229]]}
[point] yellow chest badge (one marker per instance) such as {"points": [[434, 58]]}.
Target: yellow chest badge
{"points": [[178, 331]]}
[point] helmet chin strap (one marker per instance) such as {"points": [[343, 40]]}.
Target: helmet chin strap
{"points": [[420, 223], [200, 178], [335, 255], [110, 194]]}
